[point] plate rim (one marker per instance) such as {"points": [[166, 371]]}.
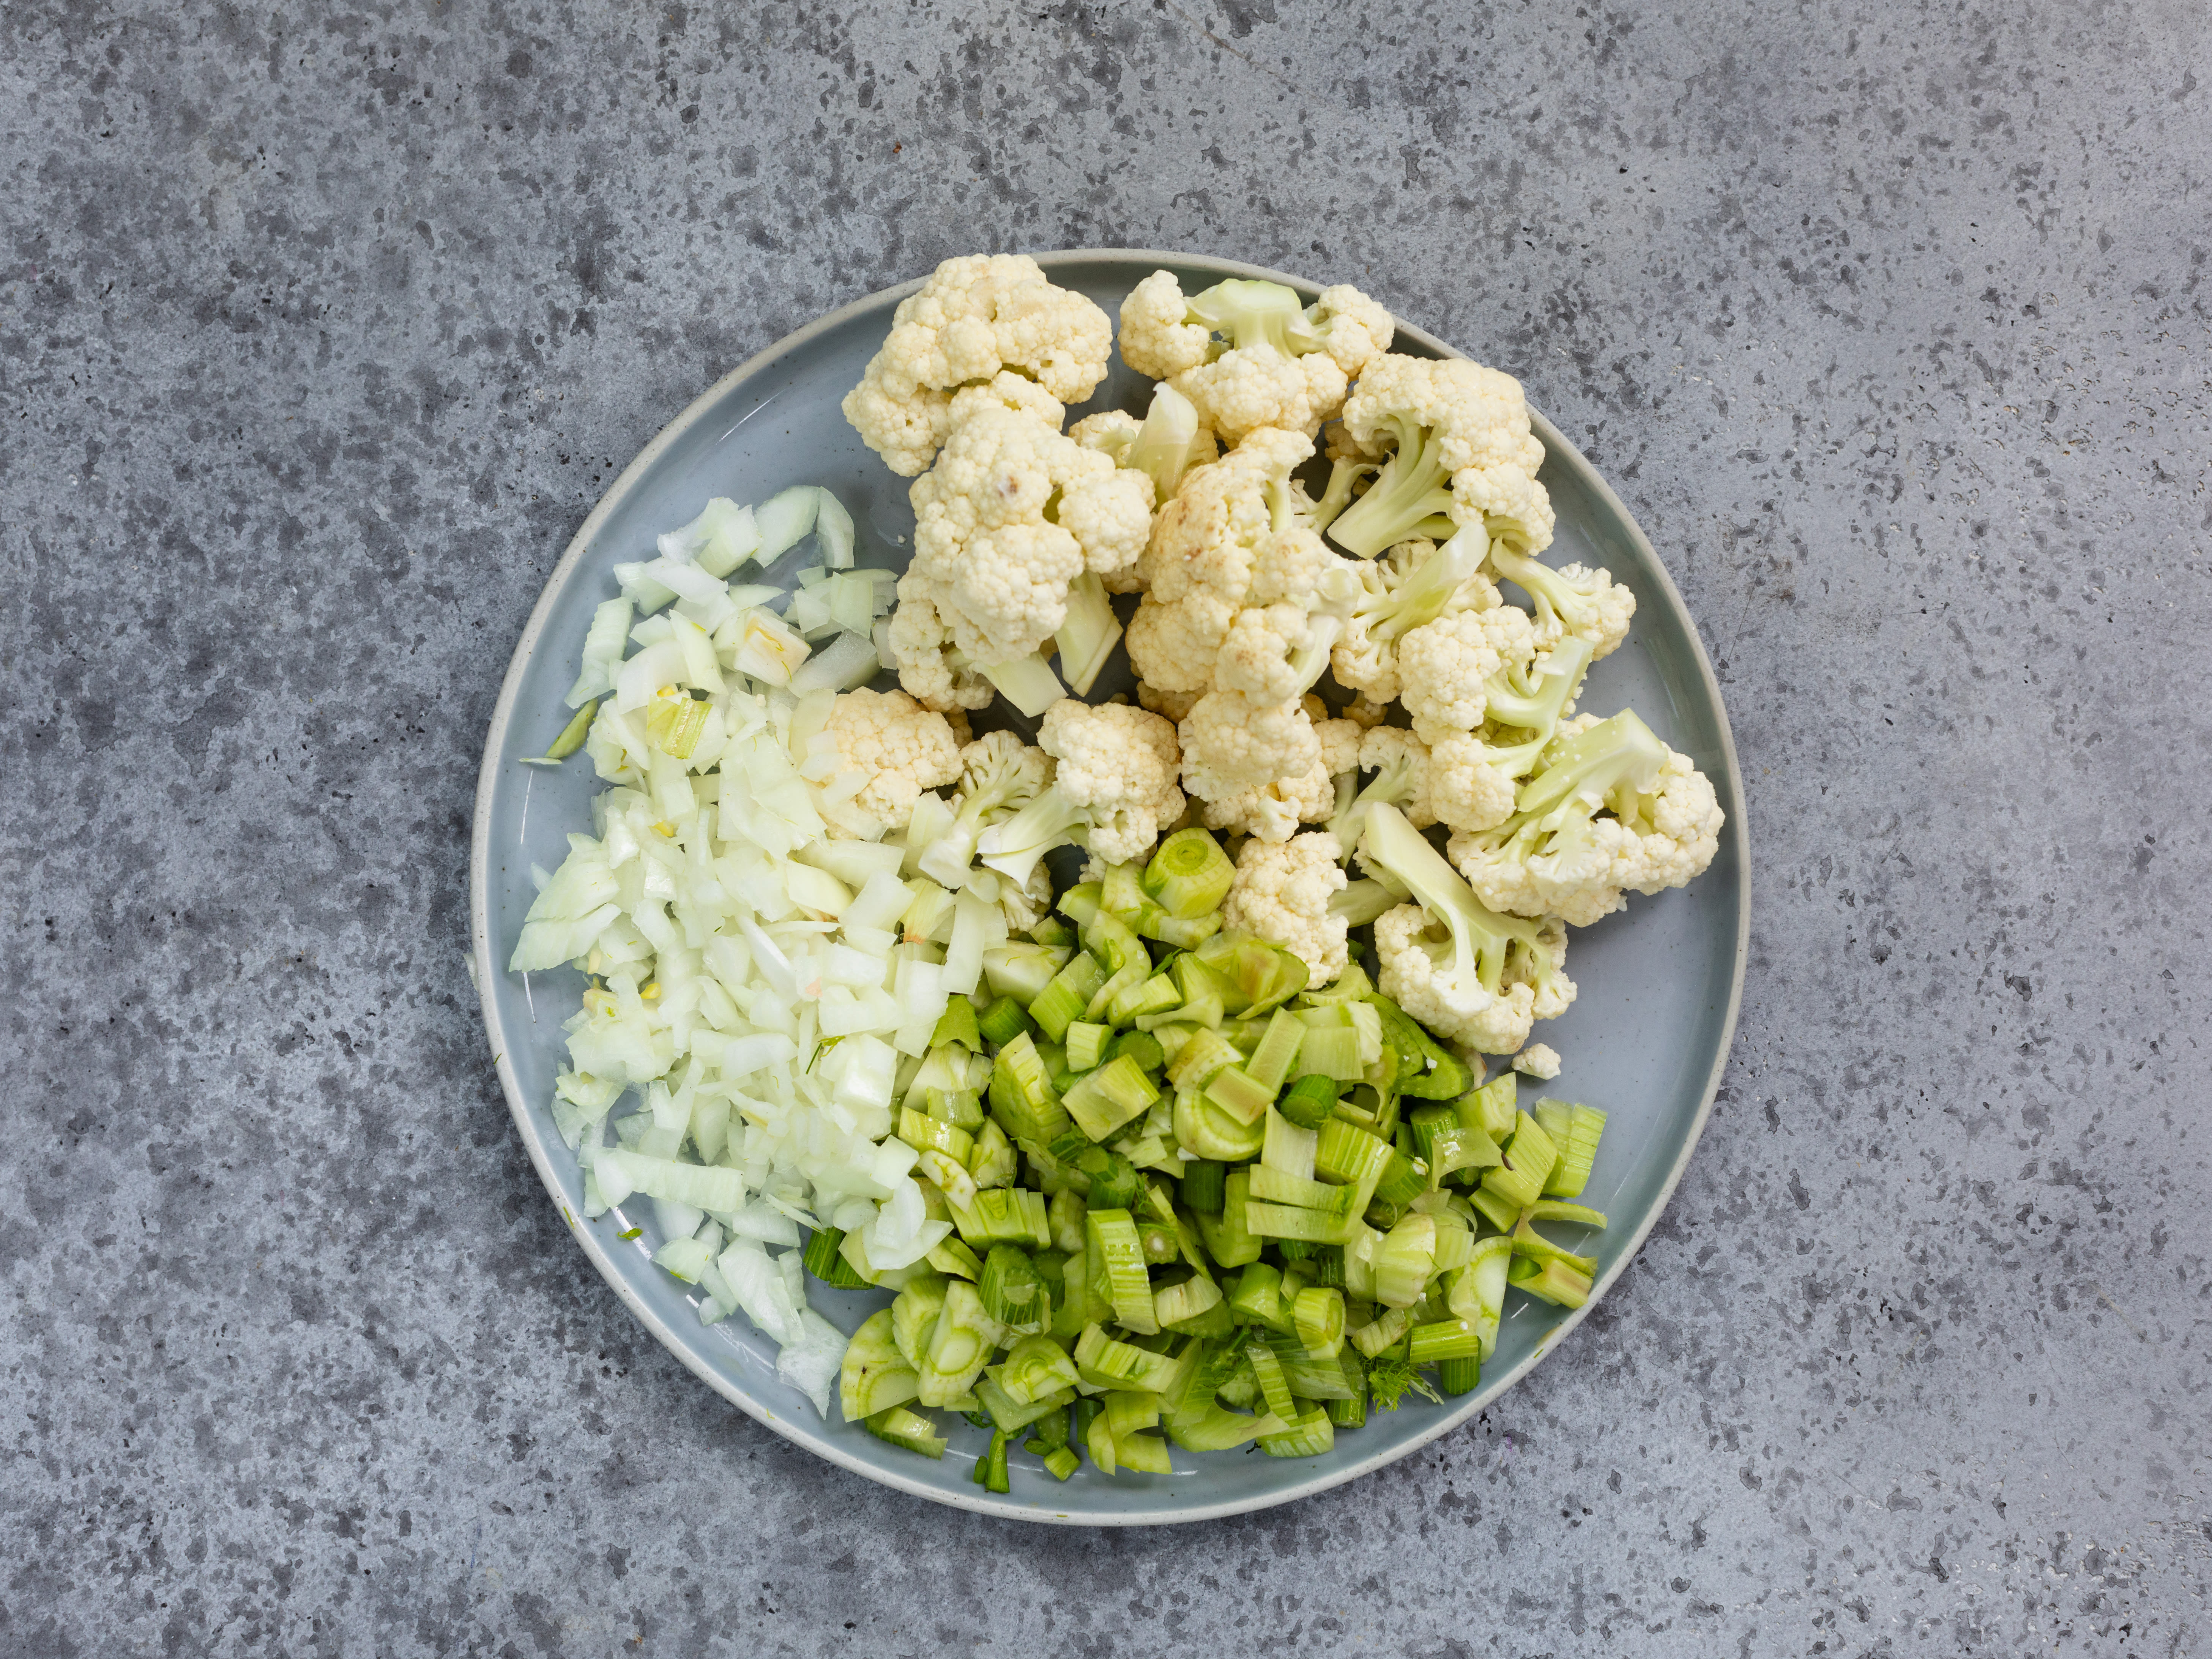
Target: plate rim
{"points": [[483, 969]]}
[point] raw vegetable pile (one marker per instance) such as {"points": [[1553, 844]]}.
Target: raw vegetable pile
{"points": [[1144, 1150]]}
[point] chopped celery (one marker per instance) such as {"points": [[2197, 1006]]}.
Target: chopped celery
{"points": [[1010, 1415], [1087, 1045], [1572, 1215], [1574, 1131], [1403, 1262], [1200, 1188], [1116, 1258], [1531, 1245], [823, 1260], [1459, 1375], [1180, 1306], [1143, 998], [1204, 1054], [1311, 1101], [1278, 1050], [1444, 1338], [1129, 1410], [1065, 1216], [1347, 1413], [1011, 1291], [1393, 1376], [1103, 1363], [1228, 1240], [1271, 1186], [1010, 1215], [959, 1345], [1425, 1069], [1556, 1282], [1189, 874], [1496, 1211], [1068, 994], [1103, 1100], [1309, 1435], [925, 1134], [1062, 1461], [1204, 1130], [957, 1025], [1236, 1092], [1257, 976], [1257, 1297], [1141, 1047], [991, 1466], [1022, 1098], [1318, 1317], [1275, 1389], [1287, 1147], [962, 1107], [874, 1375], [1491, 1108], [909, 1429], [956, 1259], [1311, 1226], [1345, 1153], [914, 1317], [1001, 1022], [1527, 1164], [991, 1163], [1458, 1146], [1381, 1333]]}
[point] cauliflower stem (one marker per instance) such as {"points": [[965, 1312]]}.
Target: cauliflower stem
{"points": [[1472, 969], [1411, 496]]}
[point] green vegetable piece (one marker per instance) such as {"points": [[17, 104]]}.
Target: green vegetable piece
{"points": [[1574, 1131], [1001, 1022], [1393, 1376], [1121, 894], [1311, 1102], [1101, 1102], [1022, 1098], [1142, 1047], [1004, 1215], [1228, 1240], [1258, 976], [823, 1260], [1115, 1254], [1317, 1315], [1103, 1363], [1310, 1435], [1443, 1338], [1179, 1307], [1064, 1000], [991, 1466], [959, 1344], [1011, 1415], [574, 733], [1527, 1163], [1278, 1050], [1425, 1070], [957, 1024], [909, 1429], [1459, 1375], [1087, 1043], [1062, 1462], [1257, 1298], [1011, 1291], [1403, 1262], [1530, 1245], [1035, 1367], [1491, 1108], [1200, 1059], [874, 1376], [1189, 875], [1201, 1188], [1236, 1092], [1144, 998], [1203, 1129], [1572, 1215]]}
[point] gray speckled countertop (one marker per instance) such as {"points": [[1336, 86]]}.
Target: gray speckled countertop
{"points": [[321, 329]]}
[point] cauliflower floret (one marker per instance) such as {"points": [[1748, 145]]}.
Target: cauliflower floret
{"points": [[1400, 762], [1272, 811], [1231, 741], [1240, 592], [1443, 666], [999, 775], [1281, 893], [1612, 810], [1410, 586], [1454, 450], [1539, 1060], [1284, 364], [902, 747], [1173, 705], [1571, 601], [1457, 967], [1010, 516], [1115, 784], [1467, 790], [929, 666], [1159, 336], [973, 317]]}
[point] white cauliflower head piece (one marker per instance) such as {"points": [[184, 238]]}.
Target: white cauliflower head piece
{"points": [[902, 747], [1443, 666], [1281, 893], [973, 317], [1118, 765]]}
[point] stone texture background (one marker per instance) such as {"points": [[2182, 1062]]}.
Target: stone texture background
{"points": [[321, 328]]}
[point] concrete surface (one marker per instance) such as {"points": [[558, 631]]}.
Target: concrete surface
{"points": [[320, 329]]}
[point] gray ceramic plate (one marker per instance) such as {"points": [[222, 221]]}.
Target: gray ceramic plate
{"points": [[1646, 1039]]}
